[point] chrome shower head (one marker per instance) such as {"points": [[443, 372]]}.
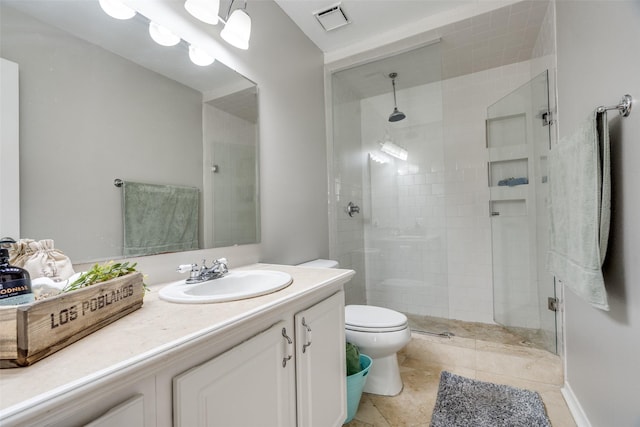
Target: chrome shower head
{"points": [[396, 115]]}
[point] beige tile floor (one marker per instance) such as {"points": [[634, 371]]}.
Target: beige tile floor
{"points": [[517, 364]]}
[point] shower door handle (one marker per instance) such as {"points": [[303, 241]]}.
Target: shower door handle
{"points": [[495, 213]]}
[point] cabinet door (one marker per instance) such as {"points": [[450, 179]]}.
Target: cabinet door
{"points": [[250, 385], [320, 364], [129, 413]]}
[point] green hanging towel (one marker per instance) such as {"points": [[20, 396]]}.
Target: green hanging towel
{"points": [[353, 359], [159, 218]]}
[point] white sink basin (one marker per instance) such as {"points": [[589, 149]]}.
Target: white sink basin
{"points": [[235, 285]]}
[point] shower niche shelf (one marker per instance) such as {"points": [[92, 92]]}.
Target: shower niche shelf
{"points": [[511, 152], [505, 208], [508, 153], [519, 192], [503, 170], [505, 131]]}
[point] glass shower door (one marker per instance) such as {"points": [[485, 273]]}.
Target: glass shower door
{"points": [[518, 141]]}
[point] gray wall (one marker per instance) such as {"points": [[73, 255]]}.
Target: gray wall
{"points": [[88, 116], [598, 62], [288, 69]]}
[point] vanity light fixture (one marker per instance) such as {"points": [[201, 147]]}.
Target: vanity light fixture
{"points": [[237, 24], [117, 9], [204, 10], [237, 29], [200, 57], [394, 150], [162, 35]]}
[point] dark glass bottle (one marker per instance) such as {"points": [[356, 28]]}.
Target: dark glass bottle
{"points": [[15, 283]]}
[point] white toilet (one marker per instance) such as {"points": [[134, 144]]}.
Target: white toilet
{"points": [[379, 333]]}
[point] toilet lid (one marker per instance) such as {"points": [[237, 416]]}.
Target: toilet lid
{"points": [[372, 318]]}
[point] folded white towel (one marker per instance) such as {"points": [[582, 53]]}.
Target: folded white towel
{"points": [[43, 287], [579, 210]]}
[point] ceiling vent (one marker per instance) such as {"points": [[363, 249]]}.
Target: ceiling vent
{"points": [[332, 18]]}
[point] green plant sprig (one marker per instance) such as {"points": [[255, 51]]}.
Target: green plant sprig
{"points": [[101, 273]]}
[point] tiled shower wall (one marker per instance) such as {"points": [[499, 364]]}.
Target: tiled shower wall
{"points": [[458, 190], [465, 101], [450, 199], [348, 164], [405, 229]]}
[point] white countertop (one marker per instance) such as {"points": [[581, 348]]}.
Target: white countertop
{"points": [[152, 330]]}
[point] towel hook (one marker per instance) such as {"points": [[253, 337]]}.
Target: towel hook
{"points": [[118, 182], [623, 107]]}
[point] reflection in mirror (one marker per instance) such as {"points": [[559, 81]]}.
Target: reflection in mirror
{"points": [[99, 100]]}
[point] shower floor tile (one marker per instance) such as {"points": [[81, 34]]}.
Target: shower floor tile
{"points": [[478, 331]]}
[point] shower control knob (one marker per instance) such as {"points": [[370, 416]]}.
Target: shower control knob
{"points": [[351, 209]]}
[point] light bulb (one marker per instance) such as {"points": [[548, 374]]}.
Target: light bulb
{"points": [[200, 57], [116, 9], [379, 157], [237, 31], [204, 10], [394, 150], [162, 35]]}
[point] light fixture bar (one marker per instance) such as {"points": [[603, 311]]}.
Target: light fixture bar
{"points": [[165, 37]]}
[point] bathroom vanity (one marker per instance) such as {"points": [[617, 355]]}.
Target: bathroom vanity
{"points": [[274, 360]]}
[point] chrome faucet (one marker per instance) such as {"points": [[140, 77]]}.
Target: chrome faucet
{"points": [[204, 273]]}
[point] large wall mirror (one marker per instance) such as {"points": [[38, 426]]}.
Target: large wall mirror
{"points": [[100, 101]]}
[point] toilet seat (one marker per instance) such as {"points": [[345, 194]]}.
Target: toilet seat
{"points": [[366, 318]]}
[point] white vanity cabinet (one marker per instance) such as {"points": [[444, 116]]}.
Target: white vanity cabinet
{"points": [[272, 361], [128, 413], [291, 374], [320, 364], [130, 403], [246, 386]]}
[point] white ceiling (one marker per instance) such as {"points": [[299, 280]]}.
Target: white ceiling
{"points": [[475, 34], [368, 17]]}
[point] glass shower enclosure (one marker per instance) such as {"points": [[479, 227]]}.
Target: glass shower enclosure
{"points": [[518, 143], [393, 171], [405, 197]]}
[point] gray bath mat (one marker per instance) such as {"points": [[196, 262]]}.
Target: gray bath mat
{"points": [[463, 402]]}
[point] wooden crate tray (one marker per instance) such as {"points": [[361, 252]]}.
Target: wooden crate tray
{"points": [[30, 332]]}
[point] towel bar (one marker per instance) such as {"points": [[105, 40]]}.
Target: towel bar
{"points": [[624, 107]]}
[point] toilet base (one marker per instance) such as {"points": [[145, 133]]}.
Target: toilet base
{"points": [[384, 377]]}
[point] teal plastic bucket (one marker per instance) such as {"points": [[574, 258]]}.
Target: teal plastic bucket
{"points": [[355, 385]]}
